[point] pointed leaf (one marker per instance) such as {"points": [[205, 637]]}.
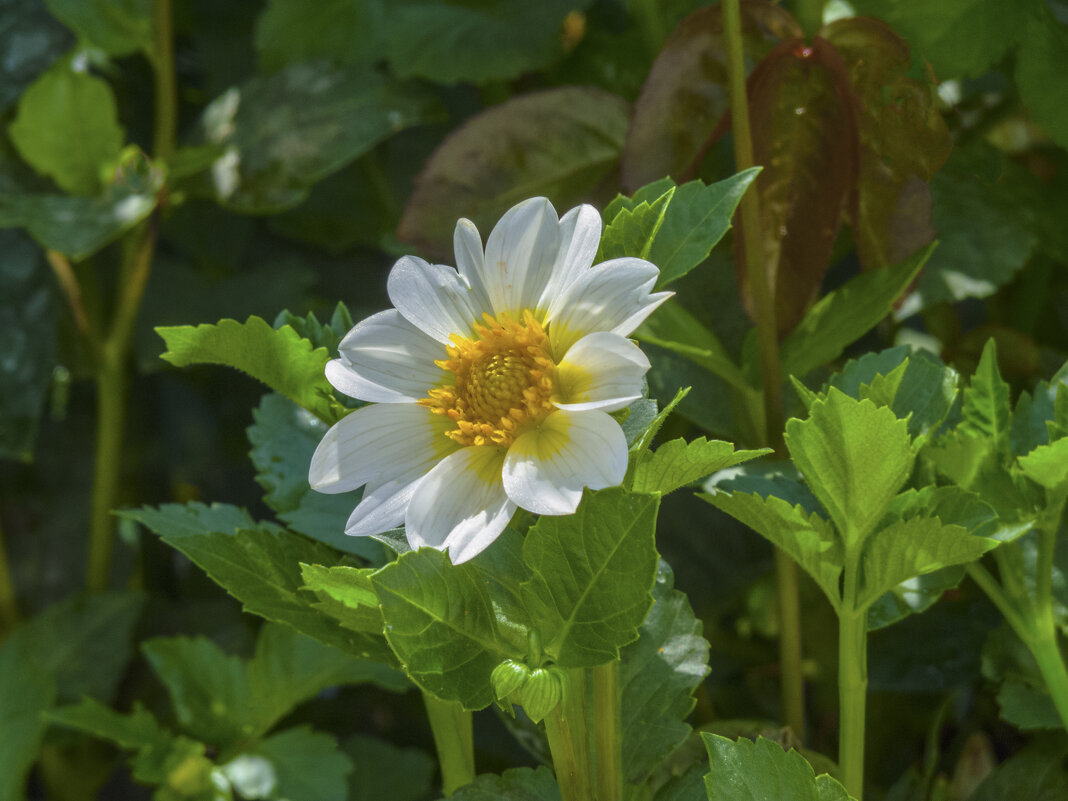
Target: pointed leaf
{"points": [[676, 329], [633, 231], [118, 27], [1047, 465], [347, 594], [593, 572], [748, 771], [986, 411], [678, 463]]}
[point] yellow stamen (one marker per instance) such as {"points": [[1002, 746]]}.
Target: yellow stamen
{"points": [[503, 381]]}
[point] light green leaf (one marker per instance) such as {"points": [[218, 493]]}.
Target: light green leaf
{"points": [[855, 457], [913, 547], [844, 315], [279, 358], [987, 411], [306, 765], [118, 27], [592, 573], [409, 777], [633, 231], [343, 31], [657, 676], [678, 463], [674, 328], [647, 194], [441, 622], [517, 784], [258, 565], [26, 692], [748, 771], [347, 594], [67, 128], [1047, 465], [805, 536]]}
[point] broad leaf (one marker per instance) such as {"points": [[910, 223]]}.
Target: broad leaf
{"points": [[1041, 59], [409, 777], [343, 31], [279, 358], [25, 693], [633, 231], [855, 457], [844, 315], [136, 730], [118, 27], [560, 143], [674, 328], [306, 765], [517, 784], [748, 771], [678, 463], [1047, 465], [1036, 773], [63, 106], [593, 571], [347, 594], [21, 65], [658, 675]]}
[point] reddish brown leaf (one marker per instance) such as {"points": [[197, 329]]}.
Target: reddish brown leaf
{"points": [[804, 136], [903, 141], [561, 143], [685, 94]]}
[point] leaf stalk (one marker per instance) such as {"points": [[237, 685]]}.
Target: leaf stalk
{"points": [[450, 724]]}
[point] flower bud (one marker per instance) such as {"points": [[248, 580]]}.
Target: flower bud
{"points": [[508, 677], [541, 693]]}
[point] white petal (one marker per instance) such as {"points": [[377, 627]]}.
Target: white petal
{"points": [[432, 297], [547, 467], [460, 504], [580, 235], [383, 506], [600, 371], [378, 443], [520, 254], [386, 359], [610, 296], [470, 262]]}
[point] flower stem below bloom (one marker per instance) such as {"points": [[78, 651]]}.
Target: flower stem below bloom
{"points": [[453, 739], [566, 728], [607, 732]]}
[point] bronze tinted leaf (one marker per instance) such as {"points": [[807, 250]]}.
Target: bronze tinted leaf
{"points": [[685, 94], [804, 136], [561, 143], [903, 140]]}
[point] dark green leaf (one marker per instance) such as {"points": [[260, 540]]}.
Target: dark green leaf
{"points": [[1037, 773], [678, 463], [593, 571], [118, 27], [307, 765], [136, 730], [277, 357], [748, 771], [517, 784], [674, 328], [1041, 60], [560, 143], [25, 693], [66, 105], [30, 40], [343, 31], [408, 779]]}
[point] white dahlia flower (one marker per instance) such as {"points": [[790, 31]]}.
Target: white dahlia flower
{"points": [[490, 387]]}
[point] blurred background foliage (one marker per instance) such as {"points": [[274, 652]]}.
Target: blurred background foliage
{"points": [[309, 145]]}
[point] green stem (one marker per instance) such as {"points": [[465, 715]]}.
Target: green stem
{"points": [[988, 584], [852, 696], [9, 610], [166, 119], [1047, 654], [791, 677], [110, 414], [451, 726], [569, 745], [652, 28], [607, 731]]}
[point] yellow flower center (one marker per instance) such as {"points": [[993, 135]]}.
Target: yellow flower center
{"points": [[504, 379]]}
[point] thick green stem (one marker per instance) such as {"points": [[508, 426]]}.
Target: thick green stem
{"points": [[9, 610], [791, 678], [110, 414], [852, 697], [166, 119], [1047, 654], [569, 744], [607, 731], [451, 726]]}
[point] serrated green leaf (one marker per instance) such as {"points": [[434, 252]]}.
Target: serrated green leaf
{"points": [[912, 547], [258, 565], [408, 779], [844, 315], [674, 328], [118, 27], [277, 357], [647, 194], [137, 730], [657, 677], [347, 594], [987, 412], [1027, 706], [64, 106], [633, 231], [441, 622], [806, 537], [855, 457], [306, 765], [678, 463], [517, 784], [25, 693], [592, 574], [343, 31], [748, 771], [1036, 773], [1047, 465]]}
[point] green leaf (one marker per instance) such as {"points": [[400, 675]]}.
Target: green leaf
{"points": [[844, 315], [67, 128], [855, 457], [748, 771], [441, 622], [21, 64], [27, 340], [517, 784], [1036, 773], [1041, 59], [409, 777], [678, 463], [277, 357], [118, 27], [347, 594], [137, 730], [286, 131], [676, 329], [987, 412], [26, 692], [633, 231], [448, 42], [1047, 465], [560, 143], [1027, 706], [658, 675], [592, 573], [307, 765], [805, 536], [258, 565], [913, 547], [342, 31]]}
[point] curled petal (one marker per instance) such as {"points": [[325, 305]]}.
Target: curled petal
{"points": [[601, 371], [432, 297]]}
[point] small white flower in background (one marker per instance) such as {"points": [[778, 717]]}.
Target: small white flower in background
{"points": [[490, 386]]}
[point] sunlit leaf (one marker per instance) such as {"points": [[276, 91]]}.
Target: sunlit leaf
{"points": [[678, 463], [1047, 464], [633, 230], [748, 771], [986, 410]]}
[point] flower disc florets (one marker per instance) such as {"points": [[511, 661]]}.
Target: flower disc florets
{"points": [[503, 381]]}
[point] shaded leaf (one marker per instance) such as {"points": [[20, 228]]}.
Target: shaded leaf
{"points": [[307, 765], [678, 463], [1036, 773], [25, 693], [135, 730], [343, 31], [748, 771], [30, 41], [1042, 58], [517, 784], [560, 143], [676, 329], [118, 27], [408, 779], [593, 571]]}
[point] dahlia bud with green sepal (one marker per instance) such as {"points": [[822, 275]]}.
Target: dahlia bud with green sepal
{"points": [[542, 692], [508, 677]]}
